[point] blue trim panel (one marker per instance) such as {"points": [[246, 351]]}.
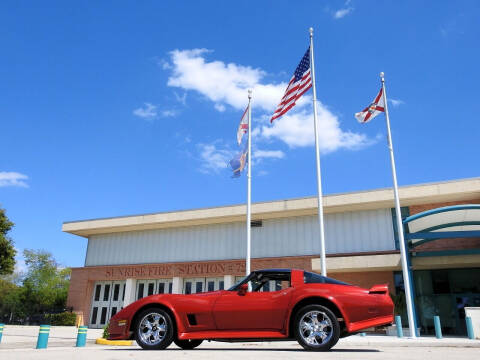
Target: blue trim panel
{"points": [[440, 210]]}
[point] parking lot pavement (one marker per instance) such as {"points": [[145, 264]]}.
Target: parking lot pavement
{"points": [[19, 343]]}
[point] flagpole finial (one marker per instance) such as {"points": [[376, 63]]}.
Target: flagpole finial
{"points": [[311, 31], [382, 75], [249, 93]]}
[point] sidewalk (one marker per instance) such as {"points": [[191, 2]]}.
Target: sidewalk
{"points": [[393, 341], [23, 337]]}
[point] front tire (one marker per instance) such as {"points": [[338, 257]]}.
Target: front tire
{"points": [[154, 329], [187, 344], [316, 328]]}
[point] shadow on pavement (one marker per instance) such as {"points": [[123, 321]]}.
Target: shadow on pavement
{"points": [[245, 349]]}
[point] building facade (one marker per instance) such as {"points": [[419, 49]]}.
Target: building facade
{"points": [[203, 250]]}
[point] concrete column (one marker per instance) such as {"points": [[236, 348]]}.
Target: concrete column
{"points": [[177, 285], [130, 289], [228, 281]]}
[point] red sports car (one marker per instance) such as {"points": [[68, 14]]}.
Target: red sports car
{"points": [[313, 309]]}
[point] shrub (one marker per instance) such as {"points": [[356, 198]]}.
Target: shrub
{"points": [[62, 319], [105, 331]]}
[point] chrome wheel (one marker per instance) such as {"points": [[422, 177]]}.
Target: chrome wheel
{"points": [[152, 328], [315, 328]]}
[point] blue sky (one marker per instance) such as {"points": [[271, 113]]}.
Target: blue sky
{"points": [[115, 108]]}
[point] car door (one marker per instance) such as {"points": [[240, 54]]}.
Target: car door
{"points": [[253, 310]]}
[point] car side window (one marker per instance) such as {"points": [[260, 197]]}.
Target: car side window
{"points": [[268, 282]]}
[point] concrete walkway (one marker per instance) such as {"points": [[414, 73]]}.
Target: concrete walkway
{"points": [[19, 343]]}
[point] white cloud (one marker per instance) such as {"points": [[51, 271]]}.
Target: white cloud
{"points": [[149, 111], [13, 179], [396, 102], [213, 159], [182, 99], [340, 13], [226, 84], [273, 154], [169, 113]]}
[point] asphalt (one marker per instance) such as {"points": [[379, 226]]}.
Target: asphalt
{"points": [[19, 342]]}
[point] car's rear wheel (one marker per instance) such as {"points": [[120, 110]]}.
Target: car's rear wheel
{"points": [[154, 329], [316, 328], [187, 344]]}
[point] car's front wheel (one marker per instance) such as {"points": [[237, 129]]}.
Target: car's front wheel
{"points": [[187, 344], [154, 329], [316, 328]]}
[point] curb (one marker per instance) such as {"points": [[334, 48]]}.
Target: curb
{"points": [[102, 341]]}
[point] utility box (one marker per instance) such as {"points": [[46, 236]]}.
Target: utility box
{"points": [[474, 314]]}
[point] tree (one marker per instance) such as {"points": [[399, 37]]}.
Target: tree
{"points": [[45, 286], [7, 250]]}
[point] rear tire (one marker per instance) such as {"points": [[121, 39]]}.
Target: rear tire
{"points": [[187, 344], [154, 329], [316, 328]]}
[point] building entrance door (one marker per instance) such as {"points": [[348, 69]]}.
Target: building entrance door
{"points": [[107, 299]]}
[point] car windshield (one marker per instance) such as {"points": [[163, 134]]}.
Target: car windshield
{"points": [[311, 278]]}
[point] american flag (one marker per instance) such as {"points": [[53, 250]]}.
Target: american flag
{"points": [[299, 84]]}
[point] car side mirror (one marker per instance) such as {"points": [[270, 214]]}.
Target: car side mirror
{"points": [[242, 290]]}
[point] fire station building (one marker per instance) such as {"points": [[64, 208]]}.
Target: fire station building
{"points": [[129, 257]]}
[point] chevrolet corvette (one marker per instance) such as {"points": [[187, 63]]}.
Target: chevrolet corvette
{"points": [[307, 307]]}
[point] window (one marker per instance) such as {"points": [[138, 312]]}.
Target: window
{"points": [[211, 286], [94, 314], [140, 291], [106, 293], [170, 288], [188, 287], [266, 281], [161, 288], [311, 278], [151, 288], [221, 285], [116, 291], [97, 292], [199, 287]]}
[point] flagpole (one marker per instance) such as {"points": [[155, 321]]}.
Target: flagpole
{"points": [[249, 184], [403, 253], [323, 264]]}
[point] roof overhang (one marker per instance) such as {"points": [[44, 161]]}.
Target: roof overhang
{"points": [[458, 190], [458, 221]]}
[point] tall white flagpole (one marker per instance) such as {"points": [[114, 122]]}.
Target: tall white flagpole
{"points": [[403, 253], [249, 184], [323, 264]]}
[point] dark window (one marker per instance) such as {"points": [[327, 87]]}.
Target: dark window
{"points": [[97, 292], [103, 317], [256, 223], [170, 288], [161, 288], [123, 292], [199, 287], [211, 285], [188, 287], [221, 285], [311, 278], [441, 285], [114, 311], [94, 315], [106, 294], [116, 291], [151, 288], [140, 290]]}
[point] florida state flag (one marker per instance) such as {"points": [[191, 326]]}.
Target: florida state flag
{"points": [[372, 110]]}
